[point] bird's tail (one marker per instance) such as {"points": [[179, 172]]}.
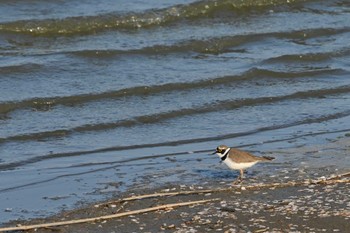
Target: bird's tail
{"points": [[268, 158]]}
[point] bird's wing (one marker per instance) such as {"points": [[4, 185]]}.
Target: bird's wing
{"points": [[239, 156]]}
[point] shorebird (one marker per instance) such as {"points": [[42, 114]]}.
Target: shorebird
{"points": [[238, 159]]}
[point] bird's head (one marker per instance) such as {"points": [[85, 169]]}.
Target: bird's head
{"points": [[220, 150]]}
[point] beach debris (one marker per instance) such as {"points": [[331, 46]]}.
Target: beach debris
{"points": [[317, 197], [164, 226], [102, 218]]}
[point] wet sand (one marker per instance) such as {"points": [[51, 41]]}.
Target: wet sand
{"points": [[305, 207]]}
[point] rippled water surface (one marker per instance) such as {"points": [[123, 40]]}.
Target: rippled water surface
{"points": [[96, 97]]}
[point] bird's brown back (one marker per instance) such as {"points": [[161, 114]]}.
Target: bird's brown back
{"points": [[240, 156]]}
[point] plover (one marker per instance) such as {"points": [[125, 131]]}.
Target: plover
{"points": [[238, 159]]}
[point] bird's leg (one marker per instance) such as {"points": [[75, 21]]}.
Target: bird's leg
{"points": [[241, 172], [239, 180]]}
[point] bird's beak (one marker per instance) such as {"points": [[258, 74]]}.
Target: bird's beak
{"points": [[214, 152]]}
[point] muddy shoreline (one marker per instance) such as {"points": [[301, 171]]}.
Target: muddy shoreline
{"points": [[300, 208], [303, 207]]}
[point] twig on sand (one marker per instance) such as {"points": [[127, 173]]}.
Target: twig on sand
{"points": [[165, 194], [100, 218]]}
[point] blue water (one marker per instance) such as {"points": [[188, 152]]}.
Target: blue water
{"points": [[97, 98]]}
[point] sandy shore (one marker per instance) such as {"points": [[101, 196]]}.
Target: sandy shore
{"points": [[303, 207], [300, 208]]}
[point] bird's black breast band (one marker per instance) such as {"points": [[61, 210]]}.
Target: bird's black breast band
{"points": [[225, 156]]}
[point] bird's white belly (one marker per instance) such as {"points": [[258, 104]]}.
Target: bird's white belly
{"points": [[238, 166]]}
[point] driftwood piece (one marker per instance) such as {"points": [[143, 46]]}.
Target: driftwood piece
{"points": [[164, 194], [100, 218]]}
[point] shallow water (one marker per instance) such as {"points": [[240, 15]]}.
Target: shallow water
{"points": [[96, 97]]}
